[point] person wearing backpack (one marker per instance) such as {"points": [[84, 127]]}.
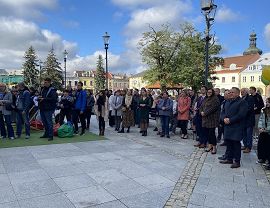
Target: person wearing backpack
{"points": [[79, 108], [23, 105], [47, 105]]}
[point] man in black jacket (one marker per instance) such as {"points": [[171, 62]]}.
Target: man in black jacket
{"points": [[258, 106], [47, 105], [221, 99], [234, 114]]}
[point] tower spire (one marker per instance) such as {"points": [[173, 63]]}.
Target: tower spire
{"points": [[252, 45]]}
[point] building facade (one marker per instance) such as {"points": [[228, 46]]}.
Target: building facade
{"points": [[136, 81]]}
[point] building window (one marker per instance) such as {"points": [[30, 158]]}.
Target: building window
{"points": [[223, 79], [244, 79], [91, 83], [252, 78], [84, 83], [260, 78], [233, 79], [254, 67], [69, 83]]}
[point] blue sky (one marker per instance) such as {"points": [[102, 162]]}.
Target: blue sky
{"points": [[77, 26]]}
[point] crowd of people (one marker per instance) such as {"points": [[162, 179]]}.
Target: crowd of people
{"points": [[238, 116]]}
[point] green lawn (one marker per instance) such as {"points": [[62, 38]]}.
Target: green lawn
{"points": [[35, 140]]}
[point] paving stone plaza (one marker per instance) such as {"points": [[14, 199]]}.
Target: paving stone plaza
{"points": [[128, 170]]}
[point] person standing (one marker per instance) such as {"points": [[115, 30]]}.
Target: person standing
{"points": [[135, 106], [198, 119], [233, 115], [79, 108], [65, 106], [184, 103], [165, 108], [249, 120], [23, 104], [47, 105], [90, 102], [210, 112], [221, 99], [144, 108], [111, 118], [117, 102], [127, 112], [174, 120], [102, 111], [258, 106]]}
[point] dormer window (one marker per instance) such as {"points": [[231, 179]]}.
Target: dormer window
{"points": [[254, 67], [232, 66]]}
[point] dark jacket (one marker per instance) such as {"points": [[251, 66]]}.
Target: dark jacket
{"points": [[236, 110], [168, 104], [135, 102], [80, 102], [90, 102], [50, 98], [211, 109], [67, 102], [220, 98], [258, 103], [23, 102], [250, 119]]}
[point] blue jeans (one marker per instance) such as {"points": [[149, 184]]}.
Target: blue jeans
{"points": [[23, 119], [46, 117], [165, 123], [247, 140]]}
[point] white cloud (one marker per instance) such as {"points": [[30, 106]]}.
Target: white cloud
{"points": [[25, 8], [135, 3], [225, 14], [267, 33], [17, 35]]}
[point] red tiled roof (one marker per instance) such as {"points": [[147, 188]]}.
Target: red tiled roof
{"points": [[240, 61]]}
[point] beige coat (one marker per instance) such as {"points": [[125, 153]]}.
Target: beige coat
{"points": [[105, 110]]}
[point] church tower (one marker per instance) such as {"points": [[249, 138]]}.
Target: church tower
{"points": [[252, 45]]}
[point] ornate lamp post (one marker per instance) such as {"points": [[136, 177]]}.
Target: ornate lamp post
{"points": [[65, 61], [209, 11], [106, 38]]}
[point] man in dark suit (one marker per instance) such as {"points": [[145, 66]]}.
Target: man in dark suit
{"points": [[234, 114], [250, 121]]}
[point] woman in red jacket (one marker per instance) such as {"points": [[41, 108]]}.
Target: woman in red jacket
{"points": [[184, 103]]}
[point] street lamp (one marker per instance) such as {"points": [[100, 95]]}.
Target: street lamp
{"points": [[40, 68], [106, 38], [65, 61], [209, 11]]}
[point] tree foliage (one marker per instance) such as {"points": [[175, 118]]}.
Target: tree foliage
{"points": [[30, 70], [175, 57], [100, 75], [53, 70]]}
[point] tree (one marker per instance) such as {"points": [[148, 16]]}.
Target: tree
{"points": [[30, 70], [175, 57], [100, 74], [53, 70]]}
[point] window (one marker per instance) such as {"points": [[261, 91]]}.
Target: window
{"points": [[254, 67], [244, 79], [233, 79], [76, 82], [260, 78], [69, 83], [84, 83], [91, 83], [223, 79], [252, 78]]}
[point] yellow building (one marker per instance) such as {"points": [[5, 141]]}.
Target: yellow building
{"points": [[136, 81], [251, 75], [119, 81], [229, 74]]}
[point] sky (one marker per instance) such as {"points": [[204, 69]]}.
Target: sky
{"points": [[78, 27]]}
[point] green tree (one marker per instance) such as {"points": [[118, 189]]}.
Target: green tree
{"points": [[175, 57], [53, 70], [30, 69], [100, 74]]}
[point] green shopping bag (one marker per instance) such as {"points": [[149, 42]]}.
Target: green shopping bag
{"points": [[66, 130]]}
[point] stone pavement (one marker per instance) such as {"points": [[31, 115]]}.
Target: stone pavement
{"points": [[127, 171]]}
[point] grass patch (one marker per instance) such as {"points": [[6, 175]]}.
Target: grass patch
{"points": [[35, 140]]}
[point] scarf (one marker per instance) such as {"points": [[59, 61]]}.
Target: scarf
{"points": [[128, 100], [100, 103]]}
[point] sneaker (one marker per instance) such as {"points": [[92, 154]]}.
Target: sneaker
{"points": [[50, 139], [226, 162], [27, 137], [11, 138], [222, 157], [3, 137], [82, 133], [76, 132]]}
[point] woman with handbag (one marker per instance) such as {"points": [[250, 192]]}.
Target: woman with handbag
{"points": [[5, 112], [127, 112], [264, 136]]}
